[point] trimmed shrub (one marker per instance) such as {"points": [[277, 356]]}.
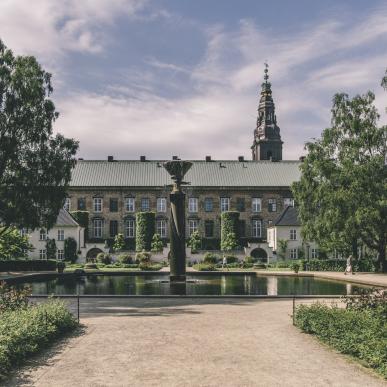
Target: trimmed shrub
{"points": [[143, 257], [210, 258], [28, 265], [125, 259], [157, 244], [70, 250], [195, 242], [104, 258], [27, 330], [145, 229], [119, 242], [150, 266], [204, 267], [51, 249], [229, 225]]}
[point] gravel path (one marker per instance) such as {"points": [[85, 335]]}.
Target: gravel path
{"points": [[187, 342]]}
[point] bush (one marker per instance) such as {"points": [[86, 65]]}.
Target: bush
{"points": [[357, 332], [51, 249], [12, 298], [204, 267], [91, 265], [295, 266], [26, 330], [210, 258], [157, 244], [125, 259], [28, 265], [283, 264], [143, 257], [70, 249], [195, 242], [150, 266], [145, 229], [231, 259], [104, 258], [248, 259], [119, 242]]}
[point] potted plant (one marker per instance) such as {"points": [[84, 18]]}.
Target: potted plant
{"points": [[60, 266]]}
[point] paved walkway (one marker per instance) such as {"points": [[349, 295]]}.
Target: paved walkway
{"points": [[185, 342]]}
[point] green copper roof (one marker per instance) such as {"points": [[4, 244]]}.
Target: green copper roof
{"points": [[90, 173]]}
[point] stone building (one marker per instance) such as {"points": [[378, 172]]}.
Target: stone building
{"points": [[113, 191]]}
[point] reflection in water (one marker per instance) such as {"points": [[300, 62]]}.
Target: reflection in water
{"points": [[218, 284]]}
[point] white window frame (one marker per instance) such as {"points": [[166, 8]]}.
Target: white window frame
{"points": [[97, 204], [161, 228], [43, 234], [256, 228], [43, 254], [224, 204], [67, 204], [293, 234], [130, 205], [193, 205], [256, 204], [97, 228], [273, 205], [145, 208], [130, 228], [293, 253], [161, 205], [314, 253], [193, 225], [61, 235], [60, 254], [288, 202]]}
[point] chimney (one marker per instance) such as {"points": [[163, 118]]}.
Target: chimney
{"points": [[142, 158], [175, 158], [110, 159], [241, 158], [208, 158]]}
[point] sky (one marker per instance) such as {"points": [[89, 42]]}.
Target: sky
{"points": [[182, 77]]}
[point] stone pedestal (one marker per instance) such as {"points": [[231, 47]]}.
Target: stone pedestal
{"points": [[177, 236]]}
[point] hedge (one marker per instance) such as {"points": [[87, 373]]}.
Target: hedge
{"points": [[361, 333], [25, 331], [337, 265], [145, 229], [229, 224], [28, 265]]}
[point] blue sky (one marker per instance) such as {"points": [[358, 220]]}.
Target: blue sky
{"points": [[182, 77]]}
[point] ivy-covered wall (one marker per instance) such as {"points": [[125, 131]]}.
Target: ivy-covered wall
{"points": [[145, 229], [229, 223]]}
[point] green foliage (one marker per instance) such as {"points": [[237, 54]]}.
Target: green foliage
{"points": [[336, 265], [28, 265], [359, 332], [35, 166], [12, 298], [229, 230], [51, 249], [231, 259], [282, 248], [60, 266], [150, 266], [119, 243], [91, 265], [195, 241], [204, 267], [70, 249], [143, 257], [104, 258], [26, 330], [12, 244], [145, 229], [295, 266], [125, 259], [157, 244], [248, 259], [342, 193], [210, 258]]}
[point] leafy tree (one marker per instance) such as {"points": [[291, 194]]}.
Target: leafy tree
{"points": [[119, 243], [12, 244], [282, 248], [229, 242], [51, 249], [342, 194], [157, 243], [70, 249], [35, 165], [195, 241]]}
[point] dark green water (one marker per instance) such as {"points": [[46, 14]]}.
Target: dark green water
{"points": [[156, 284]]}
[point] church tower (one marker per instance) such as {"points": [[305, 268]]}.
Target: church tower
{"points": [[267, 138]]}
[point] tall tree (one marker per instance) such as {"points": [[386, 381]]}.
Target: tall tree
{"points": [[342, 193], [35, 165]]}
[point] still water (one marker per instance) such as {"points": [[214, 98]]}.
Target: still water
{"points": [[156, 284]]}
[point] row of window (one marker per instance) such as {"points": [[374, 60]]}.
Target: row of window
{"points": [[193, 204], [43, 254], [43, 235], [293, 253], [161, 228]]}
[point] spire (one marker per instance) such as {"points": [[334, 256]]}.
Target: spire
{"points": [[267, 139]]}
